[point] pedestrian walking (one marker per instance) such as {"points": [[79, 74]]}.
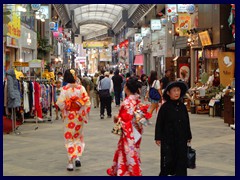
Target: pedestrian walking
{"points": [[154, 83], [126, 161], [75, 106], [105, 87], [172, 131], [144, 86], [117, 86]]}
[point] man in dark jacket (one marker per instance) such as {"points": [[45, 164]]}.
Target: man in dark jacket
{"points": [[173, 131], [117, 86]]}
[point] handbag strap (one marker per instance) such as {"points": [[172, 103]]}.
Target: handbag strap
{"points": [[153, 85]]}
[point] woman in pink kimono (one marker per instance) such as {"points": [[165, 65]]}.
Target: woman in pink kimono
{"points": [[75, 106], [132, 116]]}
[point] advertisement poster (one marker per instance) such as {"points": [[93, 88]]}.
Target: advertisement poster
{"points": [[184, 21], [184, 70], [226, 62]]}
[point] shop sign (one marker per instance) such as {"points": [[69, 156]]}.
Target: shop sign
{"points": [[14, 26], [226, 62], [205, 38], [184, 21], [182, 8], [25, 64], [189, 8], [12, 42], [156, 24], [95, 44], [17, 64], [171, 9]]}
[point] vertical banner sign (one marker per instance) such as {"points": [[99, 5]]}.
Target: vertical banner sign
{"points": [[184, 21], [226, 62], [14, 26]]}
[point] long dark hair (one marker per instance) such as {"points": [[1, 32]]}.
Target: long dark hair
{"points": [[153, 77], [68, 77]]}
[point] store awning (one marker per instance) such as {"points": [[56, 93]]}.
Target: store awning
{"points": [[138, 60]]}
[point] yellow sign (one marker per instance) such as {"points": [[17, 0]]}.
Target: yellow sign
{"points": [[25, 64], [226, 62], [95, 44], [184, 20], [205, 38], [17, 64], [14, 26]]}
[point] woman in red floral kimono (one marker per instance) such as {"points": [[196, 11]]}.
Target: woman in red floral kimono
{"points": [[132, 116], [75, 106]]}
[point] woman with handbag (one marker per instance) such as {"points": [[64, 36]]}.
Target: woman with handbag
{"points": [[172, 131], [126, 161], [154, 92], [75, 106]]}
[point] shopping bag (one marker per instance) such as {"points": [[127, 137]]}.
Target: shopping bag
{"points": [[117, 128], [191, 158]]}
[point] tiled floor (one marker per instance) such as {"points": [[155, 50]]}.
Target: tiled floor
{"points": [[41, 152]]}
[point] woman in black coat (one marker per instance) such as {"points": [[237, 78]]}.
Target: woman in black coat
{"points": [[173, 131]]}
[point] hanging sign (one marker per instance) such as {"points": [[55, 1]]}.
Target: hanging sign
{"points": [[184, 21], [226, 62], [190, 8], [156, 24], [35, 7], [53, 26], [171, 9], [174, 19]]}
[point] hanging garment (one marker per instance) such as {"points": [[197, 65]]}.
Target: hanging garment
{"points": [[75, 105], [38, 106], [13, 99], [25, 97]]}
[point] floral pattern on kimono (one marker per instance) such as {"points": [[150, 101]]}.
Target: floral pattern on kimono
{"points": [[75, 106], [126, 161]]}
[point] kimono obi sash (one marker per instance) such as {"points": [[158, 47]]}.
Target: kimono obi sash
{"points": [[73, 104]]}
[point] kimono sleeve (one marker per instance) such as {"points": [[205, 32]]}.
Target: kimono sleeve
{"points": [[61, 100]]}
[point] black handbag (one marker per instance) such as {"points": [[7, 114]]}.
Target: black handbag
{"points": [[104, 93], [191, 158], [154, 94]]}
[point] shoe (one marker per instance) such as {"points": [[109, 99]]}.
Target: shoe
{"points": [[57, 118], [70, 167], [77, 163], [109, 116], [102, 116]]}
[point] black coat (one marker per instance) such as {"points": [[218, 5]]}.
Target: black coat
{"points": [[173, 130]]}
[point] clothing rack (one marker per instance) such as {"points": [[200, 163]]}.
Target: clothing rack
{"points": [[35, 119]]}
